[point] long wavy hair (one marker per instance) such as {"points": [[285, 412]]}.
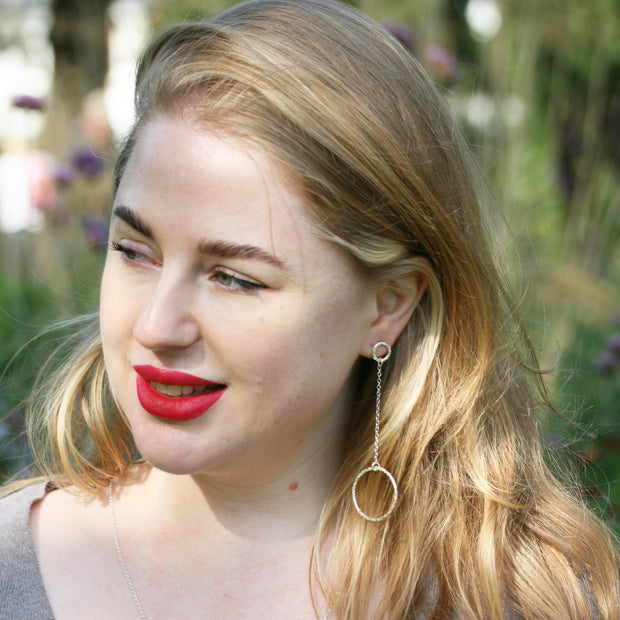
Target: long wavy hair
{"points": [[482, 529]]}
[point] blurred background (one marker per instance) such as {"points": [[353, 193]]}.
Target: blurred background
{"points": [[533, 84]]}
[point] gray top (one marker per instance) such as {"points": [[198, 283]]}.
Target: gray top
{"points": [[22, 595]]}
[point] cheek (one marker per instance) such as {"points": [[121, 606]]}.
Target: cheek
{"points": [[106, 304], [117, 306], [293, 341]]}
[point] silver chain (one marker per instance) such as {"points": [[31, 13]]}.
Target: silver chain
{"points": [[120, 557], [375, 462]]}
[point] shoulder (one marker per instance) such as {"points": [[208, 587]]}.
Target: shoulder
{"points": [[23, 594]]}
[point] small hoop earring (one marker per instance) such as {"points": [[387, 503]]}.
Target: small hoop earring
{"points": [[374, 466]]}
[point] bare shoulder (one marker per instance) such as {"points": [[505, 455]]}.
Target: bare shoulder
{"points": [[75, 513], [67, 527], [74, 544], [64, 505]]}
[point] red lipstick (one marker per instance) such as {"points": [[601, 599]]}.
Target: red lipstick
{"points": [[179, 408]]}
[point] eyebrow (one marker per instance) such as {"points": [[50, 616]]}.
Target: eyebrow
{"points": [[225, 249], [133, 219], [219, 249]]}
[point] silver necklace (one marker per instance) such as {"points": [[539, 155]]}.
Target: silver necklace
{"points": [[120, 557], [130, 585]]}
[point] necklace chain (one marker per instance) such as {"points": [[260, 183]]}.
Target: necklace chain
{"points": [[132, 589]]}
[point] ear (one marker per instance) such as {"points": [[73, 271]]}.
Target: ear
{"points": [[396, 301]]}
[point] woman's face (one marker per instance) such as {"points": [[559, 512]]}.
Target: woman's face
{"points": [[229, 328]]}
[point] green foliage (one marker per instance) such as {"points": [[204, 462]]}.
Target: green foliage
{"points": [[28, 305], [593, 389]]}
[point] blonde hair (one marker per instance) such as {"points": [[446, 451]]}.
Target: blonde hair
{"points": [[481, 529]]}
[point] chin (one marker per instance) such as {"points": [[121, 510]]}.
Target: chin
{"points": [[184, 460], [175, 467], [171, 459]]}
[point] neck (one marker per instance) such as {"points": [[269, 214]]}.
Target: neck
{"points": [[267, 498], [278, 507], [225, 535]]}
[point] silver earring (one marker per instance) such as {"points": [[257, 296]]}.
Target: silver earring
{"points": [[375, 463]]}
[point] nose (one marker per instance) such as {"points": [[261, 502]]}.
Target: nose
{"points": [[166, 320]]}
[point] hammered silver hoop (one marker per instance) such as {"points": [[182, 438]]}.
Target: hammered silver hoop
{"points": [[386, 357], [390, 510]]}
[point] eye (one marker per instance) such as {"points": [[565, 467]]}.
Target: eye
{"points": [[232, 281], [128, 253]]}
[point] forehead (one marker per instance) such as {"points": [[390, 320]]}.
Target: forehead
{"points": [[192, 170], [187, 179]]}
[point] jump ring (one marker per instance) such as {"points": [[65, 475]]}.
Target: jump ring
{"points": [[394, 487], [386, 356]]}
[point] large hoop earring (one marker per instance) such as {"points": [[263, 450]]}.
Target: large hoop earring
{"points": [[375, 466]]}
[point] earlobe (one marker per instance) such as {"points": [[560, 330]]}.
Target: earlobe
{"points": [[396, 301]]}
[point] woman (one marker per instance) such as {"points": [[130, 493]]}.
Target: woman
{"points": [[304, 336]]}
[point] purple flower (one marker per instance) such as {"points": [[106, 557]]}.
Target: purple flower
{"points": [[63, 175], [28, 102], [613, 344], [95, 229], [88, 162], [442, 63], [607, 362], [402, 33]]}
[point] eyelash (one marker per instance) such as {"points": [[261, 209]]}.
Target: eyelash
{"points": [[236, 283], [127, 252], [224, 278]]}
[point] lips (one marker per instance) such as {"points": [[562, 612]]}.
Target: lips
{"points": [[166, 393]]}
